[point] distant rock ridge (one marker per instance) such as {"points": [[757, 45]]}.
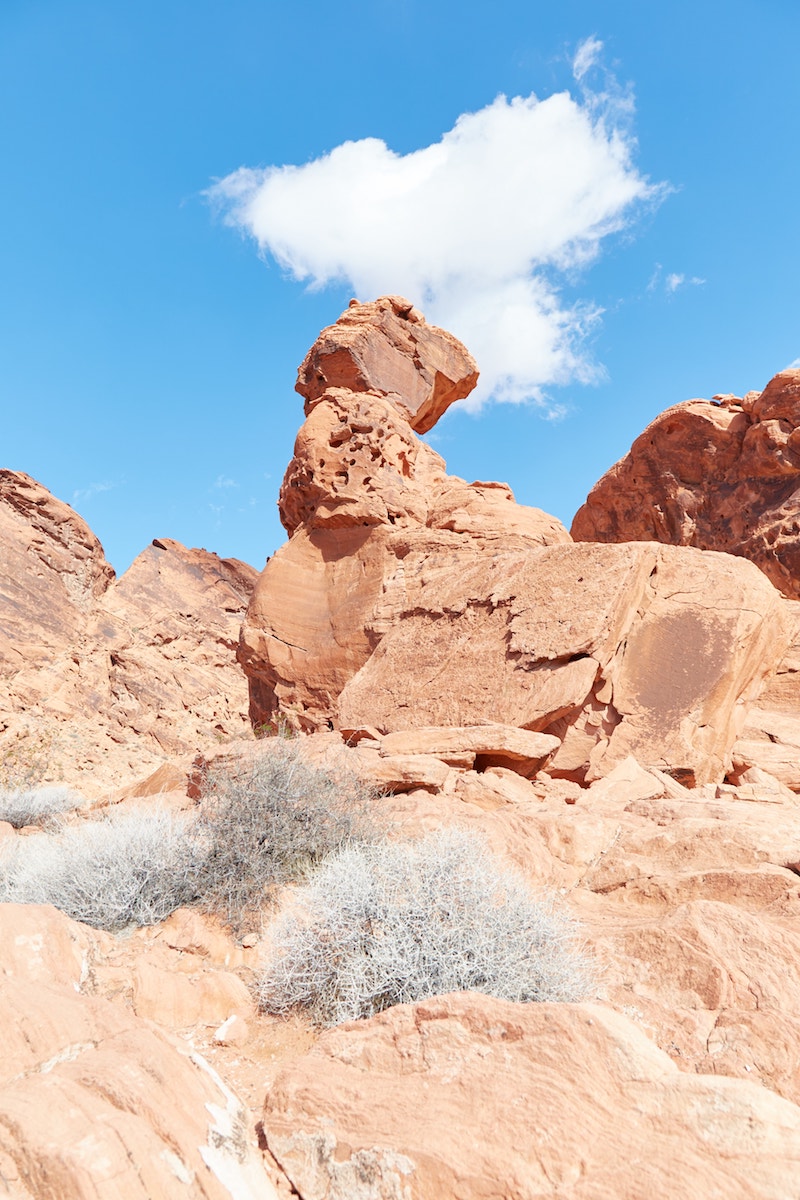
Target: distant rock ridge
{"points": [[407, 598], [101, 677]]}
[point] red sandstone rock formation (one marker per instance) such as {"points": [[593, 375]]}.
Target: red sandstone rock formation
{"points": [[360, 491], [488, 671], [102, 677], [52, 572], [406, 598], [718, 475]]}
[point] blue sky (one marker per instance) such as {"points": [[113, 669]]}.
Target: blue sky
{"points": [[148, 350]]}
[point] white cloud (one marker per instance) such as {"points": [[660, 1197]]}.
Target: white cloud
{"points": [[794, 365], [222, 481], [481, 229]]}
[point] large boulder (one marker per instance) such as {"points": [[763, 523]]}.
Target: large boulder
{"points": [[719, 475], [770, 738], [619, 650]]}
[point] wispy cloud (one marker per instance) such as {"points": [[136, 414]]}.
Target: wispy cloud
{"points": [[675, 281], [481, 229], [588, 55], [222, 481], [93, 489], [672, 281], [794, 365]]}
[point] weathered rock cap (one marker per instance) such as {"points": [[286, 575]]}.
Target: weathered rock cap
{"points": [[491, 745], [386, 346]]}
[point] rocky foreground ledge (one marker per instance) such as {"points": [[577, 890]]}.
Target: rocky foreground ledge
{"points": [[617, 717]]}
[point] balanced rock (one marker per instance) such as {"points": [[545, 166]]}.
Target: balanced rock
{"points": [[361, 490], [387, 347], [718, 475]]}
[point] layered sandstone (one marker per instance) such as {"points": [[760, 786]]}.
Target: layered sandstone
{"points": [[719, 475]]}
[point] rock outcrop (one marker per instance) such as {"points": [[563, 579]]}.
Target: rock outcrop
{"points": [[719, 475], [407, 598], [361, 490], [102, 677]]}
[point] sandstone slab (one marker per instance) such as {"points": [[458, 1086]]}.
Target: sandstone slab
{"points": [[618, 650], [573, 1100], [479, 746]]}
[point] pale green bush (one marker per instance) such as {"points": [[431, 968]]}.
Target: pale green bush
{"points": [[33, 806], [267, 819], [392, 923], [131, 868]]}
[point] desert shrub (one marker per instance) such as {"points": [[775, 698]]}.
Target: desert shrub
{"points": [[266, 819], [127, 868], [391, 923], [32, 806]]}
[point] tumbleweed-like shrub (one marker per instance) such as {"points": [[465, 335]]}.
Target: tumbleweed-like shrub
{"points": [[268, 818], [33, 806], [131, 868], [391, 923]]}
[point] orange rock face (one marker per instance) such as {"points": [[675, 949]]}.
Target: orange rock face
{"points": [[94, 1101], [719, 475], [617, 650], [52, 572]]}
